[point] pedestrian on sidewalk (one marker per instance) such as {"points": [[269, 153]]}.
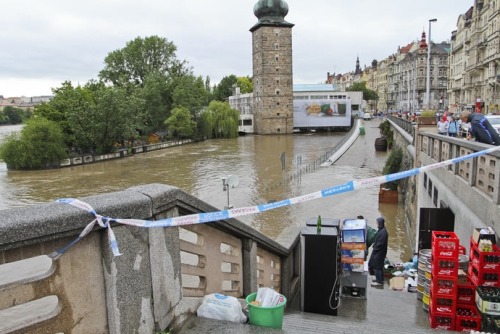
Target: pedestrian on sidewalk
{"points": [[453, 127], [442, 126], [379, 252]]}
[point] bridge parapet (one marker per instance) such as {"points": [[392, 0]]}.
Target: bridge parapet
{"points": [[157, 282]]}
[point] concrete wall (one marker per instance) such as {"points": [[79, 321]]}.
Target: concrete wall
{"points": [[89, 290], [470, 189]]}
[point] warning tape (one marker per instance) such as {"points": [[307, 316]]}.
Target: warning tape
{"points": [[200, 218]]}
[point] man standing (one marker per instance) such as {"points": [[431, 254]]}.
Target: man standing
{"points": [[480, 128], [379, 252]]}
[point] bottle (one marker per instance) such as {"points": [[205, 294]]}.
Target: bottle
{"points": [[318, 225]]}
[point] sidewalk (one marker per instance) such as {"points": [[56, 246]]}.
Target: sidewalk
{"points": [[384, 311]]}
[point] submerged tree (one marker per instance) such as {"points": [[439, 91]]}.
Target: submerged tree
{"points": [[39, 145]]}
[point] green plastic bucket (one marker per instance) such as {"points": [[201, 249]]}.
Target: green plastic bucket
{"points": [[361, 130], [265, 316]]}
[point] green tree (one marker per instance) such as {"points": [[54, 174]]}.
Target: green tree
{"points": [[39, 145], [111, 117], [368, 94], [225, 88], [220, 121], [393, 165], [66, 99], [180, 123], [14, 115], [245, 84], [190, 93], [139, 59]]}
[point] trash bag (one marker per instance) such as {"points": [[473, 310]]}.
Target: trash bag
{"points": [[221, 307]]}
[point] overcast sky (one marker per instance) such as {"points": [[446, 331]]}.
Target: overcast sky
{"points": [[44, 43]]}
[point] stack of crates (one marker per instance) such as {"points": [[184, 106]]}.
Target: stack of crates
{"points": [[444, 280], [484, 273]]}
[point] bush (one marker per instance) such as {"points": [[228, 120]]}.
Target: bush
{"points": [[39, 145], [393, 165]]}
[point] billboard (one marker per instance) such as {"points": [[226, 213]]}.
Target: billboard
{"points": [[321, 113]]}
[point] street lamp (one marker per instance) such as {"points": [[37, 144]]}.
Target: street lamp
{"points": [[428, 84]]}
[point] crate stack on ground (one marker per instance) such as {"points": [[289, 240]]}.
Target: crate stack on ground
{"points": [[444, 280], [484, 273]]}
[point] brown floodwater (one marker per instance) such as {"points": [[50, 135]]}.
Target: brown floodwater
{"points": [[256, 161]]}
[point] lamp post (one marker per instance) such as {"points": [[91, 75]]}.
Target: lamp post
{"points": [[428, 83]]}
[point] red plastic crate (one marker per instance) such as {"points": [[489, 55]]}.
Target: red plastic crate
{"points": [[467, 319], [442, 321], [445, 244], [444, 267], [481, 277], [466, 294], [485, 260], [461, 249], [443, 304], [444, 286]]}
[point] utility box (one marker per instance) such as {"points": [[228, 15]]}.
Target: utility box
{"points": [[320, 265]]}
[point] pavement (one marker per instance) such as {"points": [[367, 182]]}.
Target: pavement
{"points": [[383, 311]]}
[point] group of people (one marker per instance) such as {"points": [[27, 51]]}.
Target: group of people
{"points": [[480, 128], [448, 125]]}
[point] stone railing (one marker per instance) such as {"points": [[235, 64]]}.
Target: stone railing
{"points": [[157, 282], [470, 188]]}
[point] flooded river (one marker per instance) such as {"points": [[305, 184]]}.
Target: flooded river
{"points": [[256, 161]]}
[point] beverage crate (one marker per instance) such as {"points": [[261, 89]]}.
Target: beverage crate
{"points": [[466, 294], [488, 300], [442, 321], [445, 286], [483, 277], [486, 260], [443, 304], [445, 244], [461, 249], [467, 319], [444, 266], [490, 323]]}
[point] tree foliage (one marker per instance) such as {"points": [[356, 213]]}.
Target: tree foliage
{"points": [[220, 121], [180, 124], [39, 145], [225, 88], [140, 58], [368, 94], [13, 115], [245, 84], [393, 165]]}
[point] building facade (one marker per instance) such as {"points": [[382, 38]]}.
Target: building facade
{"points": [[475, 59]]}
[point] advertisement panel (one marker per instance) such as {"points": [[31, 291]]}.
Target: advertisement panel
{"points": [[321, 113]]}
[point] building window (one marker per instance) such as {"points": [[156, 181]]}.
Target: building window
{"points": [[429, 190], [425, 180], [277, 92]]}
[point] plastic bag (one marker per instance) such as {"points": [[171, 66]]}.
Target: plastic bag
{"points": [[221, 307]]}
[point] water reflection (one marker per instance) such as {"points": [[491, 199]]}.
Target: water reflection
{"points": [[198, 168]]}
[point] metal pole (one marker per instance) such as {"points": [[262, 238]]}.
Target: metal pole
{"points": [[428, 84]]}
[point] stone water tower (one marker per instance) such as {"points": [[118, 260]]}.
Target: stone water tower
{"points": [[272, 68]]}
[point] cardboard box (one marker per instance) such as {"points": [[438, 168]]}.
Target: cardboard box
{"points": [[397, 283], [477, 235], [355, 267], [353, 245], [354, 230]]}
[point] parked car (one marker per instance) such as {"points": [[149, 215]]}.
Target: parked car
{"points": [[494, 121], [367, 116]]}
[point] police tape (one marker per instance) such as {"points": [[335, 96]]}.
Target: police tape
{"points": [[201, 218]]}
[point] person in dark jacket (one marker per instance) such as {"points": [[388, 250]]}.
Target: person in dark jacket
{"points": [[480, 128], [379, 252]]}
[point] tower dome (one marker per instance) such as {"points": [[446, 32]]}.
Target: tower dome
{"points": [[271, 11]]}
